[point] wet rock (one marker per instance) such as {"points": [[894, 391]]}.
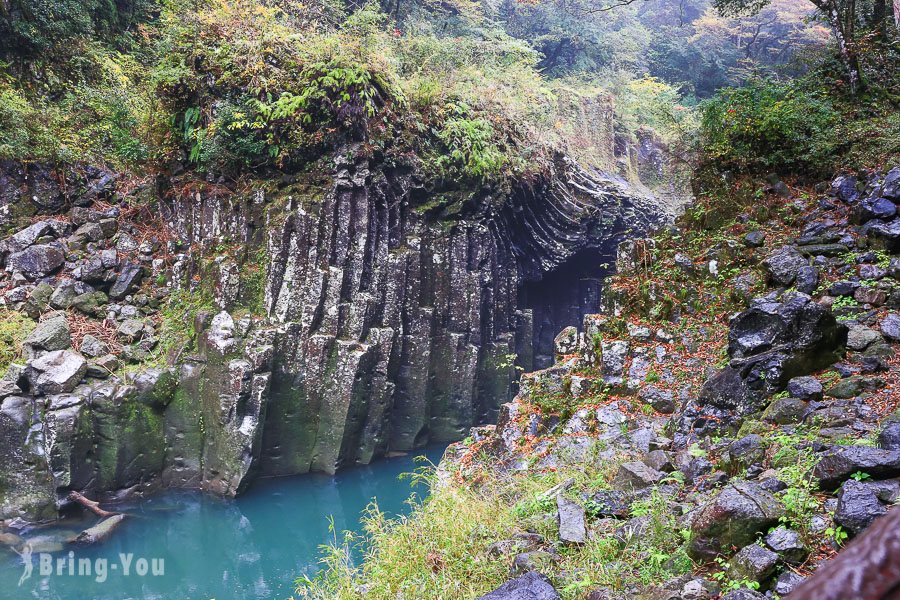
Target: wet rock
{"points": [[805, 388], [92, 347], [873, 208], [788, 544], [128, 280], [839, 462], [662, 401], [570, 519], [733, 518], [130, 331], [853, 386], [659, 460], [752, 563], [635, 476], [530, 586], [807, 280], [857, 506], [860, 337], [696, 468], [50, 334], [56, 372], [870, 295], [784, 411], [890, 327], [36, 261], [889, 437], [754, 239], [782, 266], [786, 582], [746, 451], [843, 288]]}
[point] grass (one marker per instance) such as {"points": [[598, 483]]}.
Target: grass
{"points": [[439, 551], [14, 328]]}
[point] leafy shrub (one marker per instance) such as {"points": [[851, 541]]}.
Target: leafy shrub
{"points": [[769, 126]]}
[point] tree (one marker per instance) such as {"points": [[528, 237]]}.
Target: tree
{"points": [[840, 15]]}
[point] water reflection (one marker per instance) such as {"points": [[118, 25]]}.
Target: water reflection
{"points": [[249, 548]]}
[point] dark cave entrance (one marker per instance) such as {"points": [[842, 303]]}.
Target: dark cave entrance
{"points": [[563, 296]]}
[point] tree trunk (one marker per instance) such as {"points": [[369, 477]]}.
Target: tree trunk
{"points": [[842, 26]]}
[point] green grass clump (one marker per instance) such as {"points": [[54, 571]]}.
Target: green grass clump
{"points": [[14, 328]]}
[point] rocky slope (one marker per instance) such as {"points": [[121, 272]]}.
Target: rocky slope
{"points": [[194, 334], [722, 427]]}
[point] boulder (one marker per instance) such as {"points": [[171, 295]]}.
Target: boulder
{"points": [[530, 586], [613, 356], [127, 281], [570, 518], [56, 372], [853, 386], [92, 347], [805, 388], [890, 327], [635, 476], [782, 266], [857, 506], [860, 337], [659, 460], [610, 504], [754, 239], [752, 563], [784, 411], [50, 334], [839, 462], [873, 208], [884, 234], [733, 518], [26, 237], [746, 451], [662, 401], [130, 330], [807, 280], [889, 437], [793, 320], [786, 583], [36, 261], [788, 544], [566, 342]]}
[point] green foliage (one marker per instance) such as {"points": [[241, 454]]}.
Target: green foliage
{"points": [[14, 328], [769, 126], [31, 26]]}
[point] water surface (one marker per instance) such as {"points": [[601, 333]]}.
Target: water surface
{"points": [[250, 548]]}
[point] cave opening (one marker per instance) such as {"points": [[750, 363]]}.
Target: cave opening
{"points": [[563, 296]]}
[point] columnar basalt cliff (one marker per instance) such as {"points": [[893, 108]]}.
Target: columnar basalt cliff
{"points": [[340, 322]]}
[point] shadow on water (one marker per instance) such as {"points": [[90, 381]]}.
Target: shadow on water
{"points": [[250, 548]]}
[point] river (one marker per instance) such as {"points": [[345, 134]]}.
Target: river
{"points": [[249, 548]]}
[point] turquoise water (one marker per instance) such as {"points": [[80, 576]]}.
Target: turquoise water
{"points": [[249, 548]]}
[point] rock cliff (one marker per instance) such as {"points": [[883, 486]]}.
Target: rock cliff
{"points": [[319, 323]]}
